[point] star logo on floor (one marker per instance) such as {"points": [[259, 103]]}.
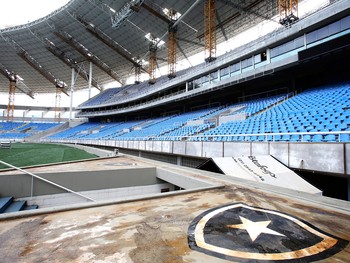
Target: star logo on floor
{"points": [[243, 233], [254, 229]]}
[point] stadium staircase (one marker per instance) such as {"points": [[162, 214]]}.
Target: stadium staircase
{"points": [[9, 205], [46, 133]]}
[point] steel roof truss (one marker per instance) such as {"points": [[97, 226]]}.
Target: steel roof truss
{"points": [[70, 63], [87, 54], [22, 53]]}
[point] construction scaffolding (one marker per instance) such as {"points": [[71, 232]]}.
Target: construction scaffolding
{"points": [[152, 61], [138, 68], [288, 11], [11, 104], [137, 74], [210, 30], [172, 35]]}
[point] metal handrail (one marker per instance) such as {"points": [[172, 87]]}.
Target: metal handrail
{"points": [[47, 181]]}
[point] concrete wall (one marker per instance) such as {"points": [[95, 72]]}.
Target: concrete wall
{"points": [[322, 157], [93, 150], [180, 180], [123, 193], [20, 185]]}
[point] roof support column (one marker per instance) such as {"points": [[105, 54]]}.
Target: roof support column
{"points": [[58, 103], [72, 91], [152, 61], [138, 71], [11, 104], [210, 30], [90, 78], [172, 35]]}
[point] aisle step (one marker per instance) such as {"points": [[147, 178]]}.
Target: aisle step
{"points": [[5, 202]]}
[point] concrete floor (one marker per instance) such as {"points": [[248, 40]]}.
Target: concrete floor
{"points": [[167, 228]]}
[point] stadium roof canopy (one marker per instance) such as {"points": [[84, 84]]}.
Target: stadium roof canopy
{"points": [[112, 34]]}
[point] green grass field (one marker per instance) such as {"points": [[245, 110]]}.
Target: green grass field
{"points": [[28, 154]]}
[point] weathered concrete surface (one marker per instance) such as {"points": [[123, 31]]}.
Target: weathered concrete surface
{"points": [[156, 230]]}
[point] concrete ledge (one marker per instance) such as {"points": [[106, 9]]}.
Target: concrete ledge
{"points": [[45, 211]]}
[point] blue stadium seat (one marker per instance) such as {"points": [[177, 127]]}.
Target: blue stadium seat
{"points": [[330, 138], [317, 138]]}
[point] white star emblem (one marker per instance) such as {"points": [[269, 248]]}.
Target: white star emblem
{"points": [[254, 229]]}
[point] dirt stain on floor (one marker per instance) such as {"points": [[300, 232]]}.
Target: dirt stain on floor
{"points": [[151, 247]]}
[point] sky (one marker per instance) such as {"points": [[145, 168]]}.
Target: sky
{"points": [[18, 12]]}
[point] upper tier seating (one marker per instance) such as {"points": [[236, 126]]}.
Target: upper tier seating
{"points": [[102, 97]]}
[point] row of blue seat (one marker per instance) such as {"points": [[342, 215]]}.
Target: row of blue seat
{"points": [[21, 130], [307, 112]]}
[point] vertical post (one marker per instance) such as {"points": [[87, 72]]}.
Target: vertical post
{"points": [[71, 93], [58, 103], [11, 104], [90, 79], [138, 72], [268, 55], [32, 187], [152, 61]]}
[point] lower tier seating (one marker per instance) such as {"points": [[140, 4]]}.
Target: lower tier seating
{"points": [[320, 114]]}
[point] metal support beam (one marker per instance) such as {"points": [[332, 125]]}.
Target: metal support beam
{"points": [[190, 41], [246, 10], [177, 22], [156, 13], [221, 28], [20, 84], [184, 54], [48, 75], [21, 52], [87, 54], [69, 62], [125, 12], [11, 104], [106, 9], [108, 41], [210, 30]]}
